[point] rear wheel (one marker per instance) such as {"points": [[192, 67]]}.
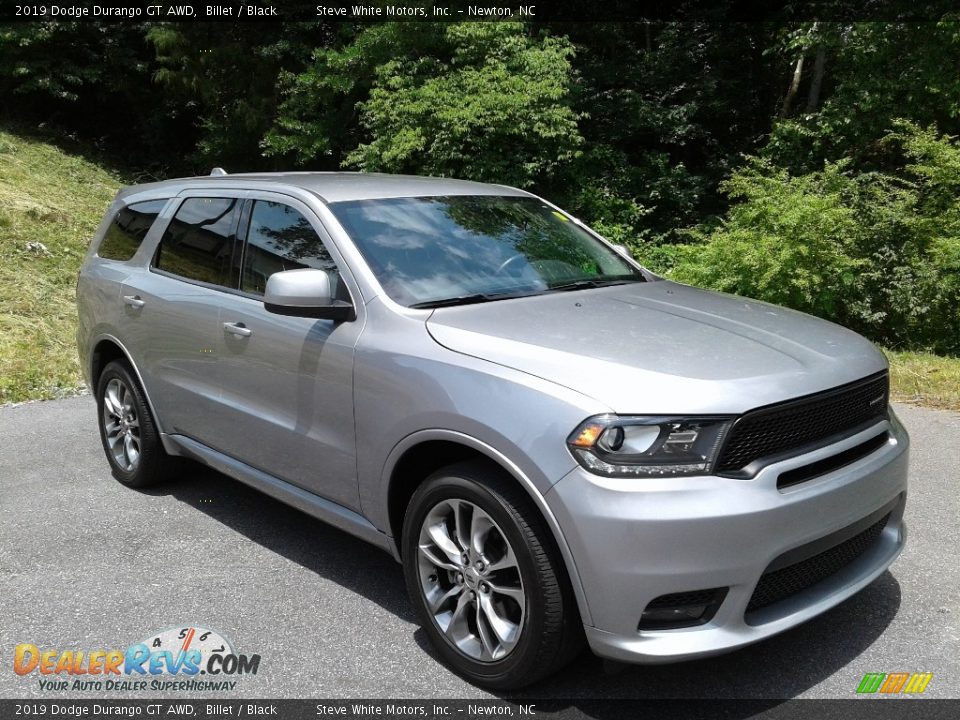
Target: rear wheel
{"points": [[129, 435], [486, 579]]}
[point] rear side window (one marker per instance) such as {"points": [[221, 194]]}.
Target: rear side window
{"points": [[199, 242], [128, 229], [280, 238]]}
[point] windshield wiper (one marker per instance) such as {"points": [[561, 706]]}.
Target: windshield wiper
{"points": [[467, 299], [583, 284], [474, 298]]}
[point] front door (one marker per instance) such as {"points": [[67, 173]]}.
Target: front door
{"points": [[287, 382]]}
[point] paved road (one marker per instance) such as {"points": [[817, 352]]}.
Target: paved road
{"points": [[88, 564]]}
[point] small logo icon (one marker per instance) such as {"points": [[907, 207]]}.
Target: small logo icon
{"points": [[894, 683]]}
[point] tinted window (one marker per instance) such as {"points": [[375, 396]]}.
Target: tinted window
{"points": [[128, 229], [425, 250], [198, 243], [280, 238]]}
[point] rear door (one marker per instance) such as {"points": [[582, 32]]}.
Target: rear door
{"points": [[172, 311], [287, 382]]}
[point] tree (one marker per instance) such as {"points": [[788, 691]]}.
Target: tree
{"points": [[83, 80], [485, 101], [879, 72], [667, 110], [222, 76]]}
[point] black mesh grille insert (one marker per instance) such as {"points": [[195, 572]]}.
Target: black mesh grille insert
{"points": [[779, 429], [780, 584]]}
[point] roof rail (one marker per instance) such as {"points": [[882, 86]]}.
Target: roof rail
{"points": [[217, 171]]}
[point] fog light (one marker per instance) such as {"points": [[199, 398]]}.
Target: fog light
{"points": [[680, 610], [671, 617]]}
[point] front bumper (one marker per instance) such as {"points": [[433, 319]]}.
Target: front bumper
{"points": [[633, 540]]}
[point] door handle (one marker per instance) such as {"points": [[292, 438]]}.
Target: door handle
{"points": [[134, 301], [237, 329]]}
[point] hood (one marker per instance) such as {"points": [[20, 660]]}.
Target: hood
{"points": [[660, 347]]}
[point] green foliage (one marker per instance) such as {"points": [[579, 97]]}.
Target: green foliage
{"points": [[876, 72], [873, 251], [666, 110], [496, 111], [222, 76], [485, 101], [619, 219], [317, 122], [68, 63], [76, 79], [789, 240]]}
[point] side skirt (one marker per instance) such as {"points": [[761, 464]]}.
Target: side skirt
{"points": [[319, 507]]}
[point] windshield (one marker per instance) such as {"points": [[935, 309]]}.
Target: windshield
{"points": [[432, 251]]}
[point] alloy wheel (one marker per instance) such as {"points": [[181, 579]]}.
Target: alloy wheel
{"points": [[470, 580], [121, 425]]}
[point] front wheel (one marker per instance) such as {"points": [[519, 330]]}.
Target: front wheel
{"points": [[486, 580]]}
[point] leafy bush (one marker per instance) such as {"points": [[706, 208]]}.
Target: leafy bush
{"points": [[875, 72], [484, 101], [879, 253]]}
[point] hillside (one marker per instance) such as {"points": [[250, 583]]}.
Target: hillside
{"points": [[50, 204]]}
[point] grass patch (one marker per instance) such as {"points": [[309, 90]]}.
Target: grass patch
{"points": [[50, 204], [925, 379]]}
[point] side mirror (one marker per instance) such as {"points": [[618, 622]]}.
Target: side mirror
{"points": [[305, 293]]}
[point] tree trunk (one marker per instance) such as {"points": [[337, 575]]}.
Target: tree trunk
{"points": [[794, 86], [813, 97]]}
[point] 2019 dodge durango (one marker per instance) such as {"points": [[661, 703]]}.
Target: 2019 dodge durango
{"points": [[558, 445]]}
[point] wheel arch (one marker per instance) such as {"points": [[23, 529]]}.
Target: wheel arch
{"points": [[108, 348], [424, 452]]}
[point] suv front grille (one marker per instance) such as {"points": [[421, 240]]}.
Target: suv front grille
{"points": [[782, 583], [790, 426]]}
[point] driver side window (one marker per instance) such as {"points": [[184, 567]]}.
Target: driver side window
{"points": [[279, 238]]}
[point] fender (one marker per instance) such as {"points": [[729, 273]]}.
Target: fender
{"points": [[171, 447], [503, 461]]}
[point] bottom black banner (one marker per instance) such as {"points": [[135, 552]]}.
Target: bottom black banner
{"points": [[861, 709]]}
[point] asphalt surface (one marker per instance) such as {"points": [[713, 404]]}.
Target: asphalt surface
{"points": [[86, 563]]}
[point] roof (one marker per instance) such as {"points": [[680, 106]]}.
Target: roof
{"points": [[341, 186]]}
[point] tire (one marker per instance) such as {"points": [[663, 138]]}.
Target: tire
{"points": [[508, 621], [128, 433]]}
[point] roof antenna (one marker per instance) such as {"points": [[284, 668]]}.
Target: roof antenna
{"points": [[218, 171]]}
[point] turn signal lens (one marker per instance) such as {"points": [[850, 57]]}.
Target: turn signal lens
{"points": [[588, 435]]}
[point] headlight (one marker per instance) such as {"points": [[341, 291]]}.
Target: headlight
{"points": [[648, 446]]}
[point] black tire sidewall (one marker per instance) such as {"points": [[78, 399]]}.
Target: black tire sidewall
{"points": [[522, 660], [149, 442]]}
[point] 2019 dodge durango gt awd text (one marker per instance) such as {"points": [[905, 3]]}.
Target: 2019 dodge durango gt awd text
{"points": [[557, 444]]}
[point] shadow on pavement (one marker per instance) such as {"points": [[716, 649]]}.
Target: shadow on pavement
{"points": [[316, 546]]}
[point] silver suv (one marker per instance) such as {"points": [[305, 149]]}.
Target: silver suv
{"points": [[558, 445]]}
